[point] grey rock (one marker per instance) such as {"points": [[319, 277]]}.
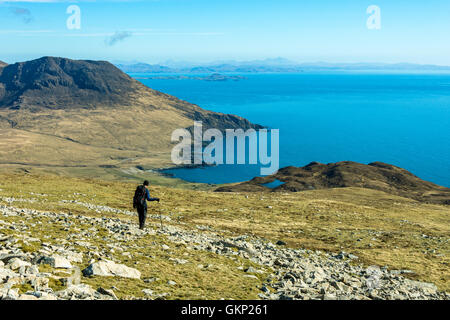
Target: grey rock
{"points": [[107, 268], [107, 292], [56, 261]]}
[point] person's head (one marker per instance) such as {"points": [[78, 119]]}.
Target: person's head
{"points": [[146, 183]]}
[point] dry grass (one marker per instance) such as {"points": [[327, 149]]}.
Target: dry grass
{"points": [[381, 229]]}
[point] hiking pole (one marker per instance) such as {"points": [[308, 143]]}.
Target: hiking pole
{"points": [[160, 218]]}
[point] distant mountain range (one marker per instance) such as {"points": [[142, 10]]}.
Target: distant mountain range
{"points": [[211, 77], [278, 65]]}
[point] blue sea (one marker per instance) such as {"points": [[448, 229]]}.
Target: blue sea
{"points": [[401, 119]]}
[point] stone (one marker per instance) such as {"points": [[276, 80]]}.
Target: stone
{"points": [[27, 297], [427, 288], [16, 263], [265, 289], [171, 283], [280, 243], [56, 261], [179, 261], [81, 291], [329, 297], [7, 273], [251, 270], [73, 256], [107, 292], [8, 294], [147, 292], [40, 283], [106, 268], [6, 257]]}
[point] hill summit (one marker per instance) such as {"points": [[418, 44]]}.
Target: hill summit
{"points": [[377, 175], [63, 83], [63, 112]]}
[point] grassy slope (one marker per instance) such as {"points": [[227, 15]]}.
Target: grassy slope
{"points": [[381, 229]]}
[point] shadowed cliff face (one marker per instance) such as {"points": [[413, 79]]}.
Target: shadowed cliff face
{"points": [[377, 175], [53, 101]]}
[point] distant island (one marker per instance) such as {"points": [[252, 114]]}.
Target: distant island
{"points": [[212, 77], [277, 65]]}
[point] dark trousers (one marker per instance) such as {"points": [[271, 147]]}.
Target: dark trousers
{"points": [[142, 213]]}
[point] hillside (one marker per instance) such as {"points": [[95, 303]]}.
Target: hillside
{"points": [[57, 112], [3, 64], [344, 243], [377, 176]]}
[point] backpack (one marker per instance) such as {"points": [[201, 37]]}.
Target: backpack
{"points": [[139, 197]]}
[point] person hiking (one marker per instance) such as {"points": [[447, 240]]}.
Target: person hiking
{"points": [[141, 196]]}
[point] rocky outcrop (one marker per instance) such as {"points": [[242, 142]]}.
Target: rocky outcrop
{"points": [[377, 175]]}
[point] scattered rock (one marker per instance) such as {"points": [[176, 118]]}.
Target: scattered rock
{"points": [[297, 273]]}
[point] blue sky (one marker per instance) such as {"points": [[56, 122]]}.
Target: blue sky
{"points": [[207, 30]]}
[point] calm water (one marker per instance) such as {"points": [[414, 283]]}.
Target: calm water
{"points": [[402, 119]]}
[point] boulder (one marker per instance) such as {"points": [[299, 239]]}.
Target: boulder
{"points": [[56, 261], [80, 291], [16, 263], [107, 268], [6, 274], [107, 292], [147, 292], [8, 294], [5, 258], [27, 297]]}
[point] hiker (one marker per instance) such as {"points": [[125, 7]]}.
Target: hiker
{"points": [[141, 196]]}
